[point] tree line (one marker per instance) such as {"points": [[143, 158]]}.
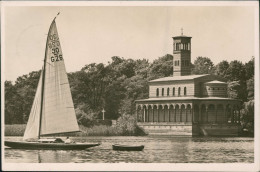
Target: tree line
{"points": [[117, 85]]}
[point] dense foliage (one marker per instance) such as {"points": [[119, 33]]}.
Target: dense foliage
{"points": [[118, 84]]}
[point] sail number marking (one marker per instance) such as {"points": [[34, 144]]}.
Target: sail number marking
{"points": [[57, 56]]}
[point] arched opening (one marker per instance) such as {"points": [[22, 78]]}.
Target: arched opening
{"points": [[179, 91], [185, 91], [168, 91], [188, 113], [155, 113], [211, 113], [178, 116], [183, 113], [161, 113], [173, 91], [139, 113], [171, 117], [145, 114], [150, 112], [166, 113], [162, 91], [157, 92]]}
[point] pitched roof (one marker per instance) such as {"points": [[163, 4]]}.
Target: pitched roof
{"points": [[215, 82], [178, 78], [184, 98]]}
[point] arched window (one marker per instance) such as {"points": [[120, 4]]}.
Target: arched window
{"points": [[179, 91], [173, 91], [157, 92], [185, 91], [162, 91], [168, 91]]}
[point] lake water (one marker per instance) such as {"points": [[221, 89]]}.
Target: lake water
{"points": [[157, 150]]}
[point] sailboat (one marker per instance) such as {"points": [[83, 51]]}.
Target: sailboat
{"points": [[52, 111]]}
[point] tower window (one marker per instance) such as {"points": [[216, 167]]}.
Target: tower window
{"points": [[168, 91], [157, 92], [185, 91], [179, 91], [178, 62], [173, 91], [162, 91]]}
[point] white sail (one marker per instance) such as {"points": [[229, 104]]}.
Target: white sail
{"points": [[32, 127], [58, 113]]}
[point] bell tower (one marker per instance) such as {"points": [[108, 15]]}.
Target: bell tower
{"points": [[181, 55]]}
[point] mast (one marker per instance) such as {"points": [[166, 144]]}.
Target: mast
{"points": [[43, 79]]}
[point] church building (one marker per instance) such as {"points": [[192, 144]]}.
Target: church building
{"points": [[186, 104]]}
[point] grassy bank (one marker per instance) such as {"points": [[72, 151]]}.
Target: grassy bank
{"points": [[101, 130]]}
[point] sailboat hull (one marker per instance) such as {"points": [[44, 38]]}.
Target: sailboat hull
{"points": [[53, 146]]}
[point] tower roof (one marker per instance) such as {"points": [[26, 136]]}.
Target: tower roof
{"points": [[182, 36]]}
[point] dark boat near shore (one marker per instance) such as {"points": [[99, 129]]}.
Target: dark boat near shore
{"points": [[53, 110], [128, 147]]}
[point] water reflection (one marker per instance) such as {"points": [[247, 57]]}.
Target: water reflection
{"points": [[157, 150]]}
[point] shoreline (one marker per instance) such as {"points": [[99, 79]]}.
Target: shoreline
{"points": [[17, 130], [98, 130]]}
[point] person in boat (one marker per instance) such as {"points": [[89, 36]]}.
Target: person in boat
{"points": [[68, 141]]}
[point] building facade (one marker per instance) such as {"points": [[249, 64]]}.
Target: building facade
{"points": [[186, 104]]}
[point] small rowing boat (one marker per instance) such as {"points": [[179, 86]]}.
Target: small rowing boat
{"points": [[127, 147]]}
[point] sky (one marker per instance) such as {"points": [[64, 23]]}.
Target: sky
{"points": [[93, 34]]}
